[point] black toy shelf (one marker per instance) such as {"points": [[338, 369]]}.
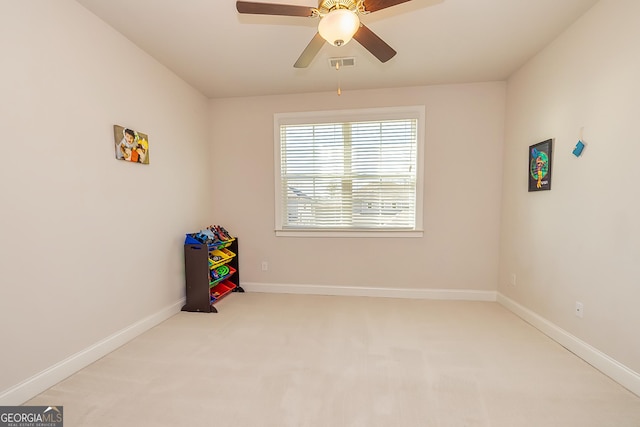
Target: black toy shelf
{"points": [[211, 272]]}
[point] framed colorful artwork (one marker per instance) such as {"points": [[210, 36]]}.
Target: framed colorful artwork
{"points": [[131, 146], [540, 156]]}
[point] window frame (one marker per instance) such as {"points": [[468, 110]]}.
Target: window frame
{"points": [[354, 115]]}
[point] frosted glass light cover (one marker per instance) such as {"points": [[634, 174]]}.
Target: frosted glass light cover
{"points": [[339, 26]]}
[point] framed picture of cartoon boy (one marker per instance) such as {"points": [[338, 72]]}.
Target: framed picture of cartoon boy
{"points": [[540, 156], [131, 145]]}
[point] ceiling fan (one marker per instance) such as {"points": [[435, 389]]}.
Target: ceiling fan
{"points": [[339, 23]]}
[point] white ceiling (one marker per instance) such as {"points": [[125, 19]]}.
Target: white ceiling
{"points": [[225, 54]]}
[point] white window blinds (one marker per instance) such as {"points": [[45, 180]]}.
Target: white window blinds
{"points": [[348, 175]]}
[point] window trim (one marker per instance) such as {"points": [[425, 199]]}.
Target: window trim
{"points": [[333, 116]]}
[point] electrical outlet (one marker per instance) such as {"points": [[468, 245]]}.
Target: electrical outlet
{"points": [[265, 266], [513, 279], [579, 309]]}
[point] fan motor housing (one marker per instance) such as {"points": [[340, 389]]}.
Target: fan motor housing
{"points": [[327, 6]]}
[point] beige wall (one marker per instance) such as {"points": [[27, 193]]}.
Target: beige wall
{"points": [[89, 245], [463, 170], [76, 267], [581, 240]]}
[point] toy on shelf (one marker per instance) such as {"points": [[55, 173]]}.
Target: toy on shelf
{"points": [[212, 235]]}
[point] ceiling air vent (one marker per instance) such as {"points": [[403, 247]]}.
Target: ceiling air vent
{"points": [[342, 62]]}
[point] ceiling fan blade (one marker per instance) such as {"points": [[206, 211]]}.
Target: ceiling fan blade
{"points": [[310, 51], [273, 9], [374, 44], [373, 5]]}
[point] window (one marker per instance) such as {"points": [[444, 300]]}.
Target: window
{"points": [[356, 172]]}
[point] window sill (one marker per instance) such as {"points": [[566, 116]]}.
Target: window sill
{"points": [[354, 233]]}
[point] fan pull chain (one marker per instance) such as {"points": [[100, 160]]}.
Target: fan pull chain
{"points": [[338, 69]]}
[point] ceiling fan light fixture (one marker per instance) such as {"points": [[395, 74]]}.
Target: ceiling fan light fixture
{"points": [[338, 26]]}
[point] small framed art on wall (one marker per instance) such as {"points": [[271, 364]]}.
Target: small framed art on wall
{"points": [[540, 156]]}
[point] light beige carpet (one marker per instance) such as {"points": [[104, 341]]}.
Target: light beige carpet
{"points": [[301, 360]]}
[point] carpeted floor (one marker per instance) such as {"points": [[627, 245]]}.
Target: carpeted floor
{"points": [[278, 360]]}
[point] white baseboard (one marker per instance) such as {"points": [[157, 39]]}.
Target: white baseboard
{"points": [[599, 360], [38, 383], [437, 294]]}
